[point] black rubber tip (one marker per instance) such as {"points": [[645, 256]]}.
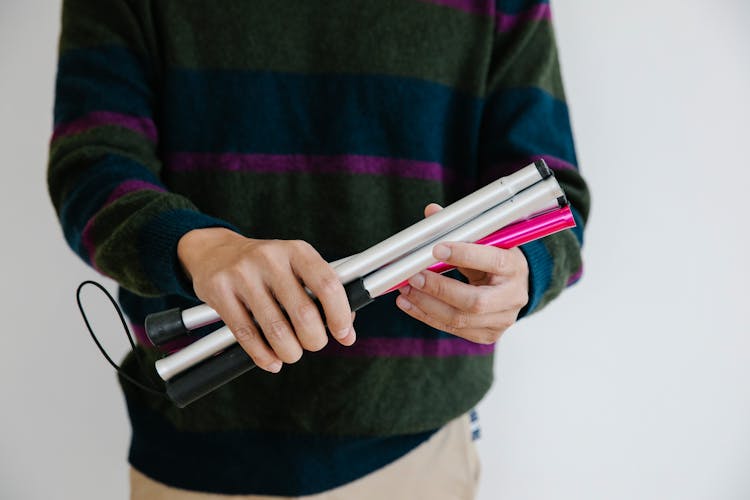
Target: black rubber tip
{"points": [[562, 201], [543, 169], [357, 294], [208, 376], [165, 326]]}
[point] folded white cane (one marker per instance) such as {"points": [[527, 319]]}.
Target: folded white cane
{"points": [[169, 325], [188, 381]]}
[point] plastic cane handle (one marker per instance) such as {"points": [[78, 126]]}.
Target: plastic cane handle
{"points": [[165, 326]]}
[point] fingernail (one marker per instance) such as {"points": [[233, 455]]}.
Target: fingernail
{"points": [[441, 252], [342, 333], [417, 281], [275, 367], [403, 303], [354, 334], [405, 290]]}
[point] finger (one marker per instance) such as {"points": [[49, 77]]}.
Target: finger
{"points": [[450, 317], [321, 279], [273, 323], [431, 209], [489, 259], [477, 335], [302, 311], [451, 291], [235, 316], [457, 319], [476, 299], [349, 339]]}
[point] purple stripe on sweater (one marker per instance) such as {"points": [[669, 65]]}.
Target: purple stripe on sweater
{"points": [[130, 186], [575, 277], [472, 6], [87, 240], [370, 347], [507, 22], [504, 168], [140, 334], [142, 125], [269, 163], [409, 347]]}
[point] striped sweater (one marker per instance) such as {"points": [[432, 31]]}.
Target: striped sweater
{"points": [[331, 121]]}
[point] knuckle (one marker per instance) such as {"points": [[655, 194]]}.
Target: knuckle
{"points": [[480, 303], [240, 268], [244, 334], [307, 313], [498, 261], [329, 284], [276, 330], [221, 282], [437, 286], [459, 321], [269, 256], [300, 246]]}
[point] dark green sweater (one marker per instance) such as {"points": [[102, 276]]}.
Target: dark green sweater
{"points": [[331, 121]]}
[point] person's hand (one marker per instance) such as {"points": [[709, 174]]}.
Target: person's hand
{"points": [[240, 277], [479, 311]]}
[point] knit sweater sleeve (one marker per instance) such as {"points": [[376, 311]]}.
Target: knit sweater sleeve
{"points": [[526, 118], [104, 168]]}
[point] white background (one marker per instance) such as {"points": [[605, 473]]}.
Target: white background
{"points": [[633, 385]]}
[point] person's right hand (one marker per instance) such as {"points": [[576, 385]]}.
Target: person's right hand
{"points": [[239, 277]]}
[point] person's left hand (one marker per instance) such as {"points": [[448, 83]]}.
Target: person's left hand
{"points": [[479, 311]]}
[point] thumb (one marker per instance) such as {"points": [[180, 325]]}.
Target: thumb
{"points": [[471, 274]]}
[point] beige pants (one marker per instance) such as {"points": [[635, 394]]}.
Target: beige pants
{"points": [[446, 467]]}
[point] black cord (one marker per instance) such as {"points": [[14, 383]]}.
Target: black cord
{"points": [[122, 373]]}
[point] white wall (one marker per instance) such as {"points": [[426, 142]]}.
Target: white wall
{"points": [[632, 385]]}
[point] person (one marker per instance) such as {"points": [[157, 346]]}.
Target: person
{"points": [[224, 153]]}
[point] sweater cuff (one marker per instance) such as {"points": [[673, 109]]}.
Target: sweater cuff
{"points": [[540, 274], [158, 248]]}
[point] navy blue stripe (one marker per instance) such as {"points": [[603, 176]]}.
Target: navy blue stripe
{"points": [[540, 273], [524, 122], [578, 230], [517, 6], [104, 78], [282, 113], [91, 191], [157, 248], [249, 462]]}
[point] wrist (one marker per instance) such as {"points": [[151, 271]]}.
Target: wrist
{"points": [[193, 246]]}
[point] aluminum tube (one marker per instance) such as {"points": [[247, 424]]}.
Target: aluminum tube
{"points": [[527, 202], [432, 227], [194, 353], [199, 316]]}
